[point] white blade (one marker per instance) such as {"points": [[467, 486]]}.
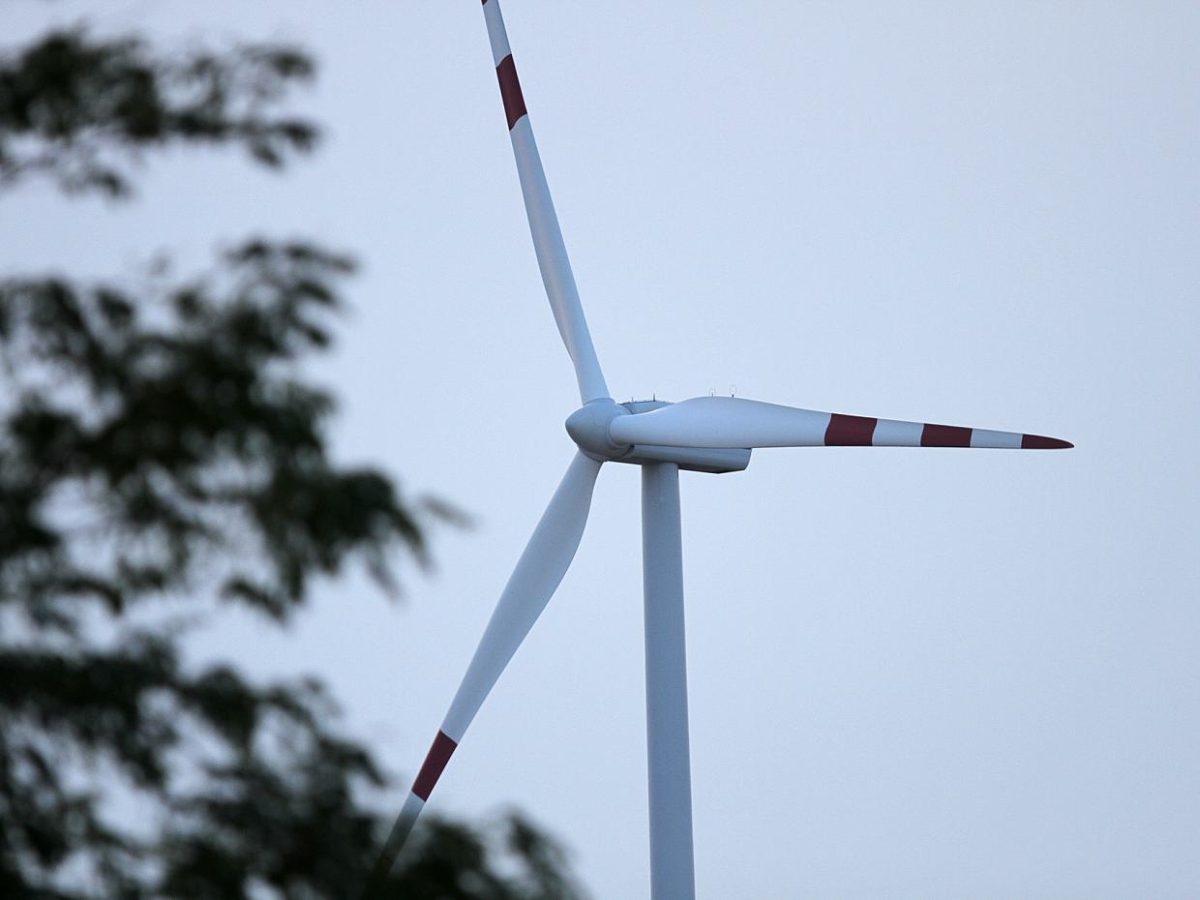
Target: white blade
{"points": [[715, 422], [543, 222], [537, 575]]}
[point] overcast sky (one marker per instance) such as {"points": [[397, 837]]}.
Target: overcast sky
{"points": [[913, 673]]}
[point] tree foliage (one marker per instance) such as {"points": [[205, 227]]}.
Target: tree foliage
{"points": [[79, 109], [162, 453]]}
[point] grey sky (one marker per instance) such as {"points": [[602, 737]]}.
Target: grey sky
{"points": [[913, 673]]}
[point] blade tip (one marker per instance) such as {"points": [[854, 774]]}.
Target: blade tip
{"points": [[1039, 442]]}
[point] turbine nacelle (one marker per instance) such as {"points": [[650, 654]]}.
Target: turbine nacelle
{"points": [[590, 427]]}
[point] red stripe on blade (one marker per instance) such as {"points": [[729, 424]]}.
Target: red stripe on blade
{"points": [[1037, 442], [849, 431], [945, 436], [510, 91], [435, 761]]}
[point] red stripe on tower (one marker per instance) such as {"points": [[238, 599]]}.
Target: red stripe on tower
{"points": [[435, 762], [849, 431], [510, 91], [1037, 442], [945, 436]]}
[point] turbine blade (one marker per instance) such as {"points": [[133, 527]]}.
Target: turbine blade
{"points": [[712, 422], [543, 222], [537, 575]]}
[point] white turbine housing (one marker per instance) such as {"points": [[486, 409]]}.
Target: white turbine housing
{"points": [[591, 427]]}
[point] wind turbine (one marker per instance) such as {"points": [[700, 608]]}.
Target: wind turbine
{"points": [[705, 434]]}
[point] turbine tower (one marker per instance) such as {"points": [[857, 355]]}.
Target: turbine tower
{"points": [[705, 434]]}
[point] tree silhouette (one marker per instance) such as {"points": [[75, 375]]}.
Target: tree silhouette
{"points": [[162, 455]]}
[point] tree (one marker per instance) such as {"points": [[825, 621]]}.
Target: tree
{"points": [[161, 450]]}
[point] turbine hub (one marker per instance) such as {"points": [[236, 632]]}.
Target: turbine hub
{"points": [[589, 425]]}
